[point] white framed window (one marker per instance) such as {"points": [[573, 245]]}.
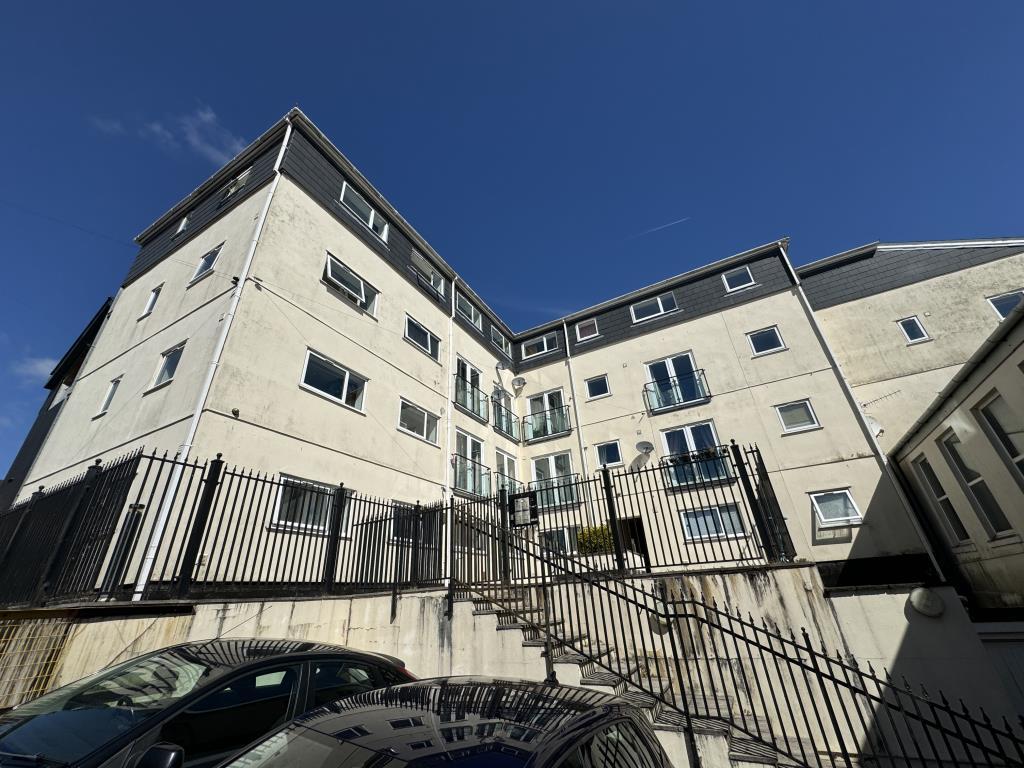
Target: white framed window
{"points": [[564, 541], [428, 272], [766, 340], [498, 339], [835, 507], [304, 505], [598, 387], [108, 398], [674, 381], [471, 475], [363, 211], [797, 416], [609, 454], [548, 415], [913, 330], [168, 365], [539, 346], [333, 381], [737, 279], [1004, 303], [505, 466], [151, 300], [182, 226], [651, 308], [586, 329], [205, 265], [940, 500], [350, 284], [693, 454], [234, 186], [417, 421], [465, 308], [973, 485], [422, 338], [553, 479], [1005, 430], [721, 521]]}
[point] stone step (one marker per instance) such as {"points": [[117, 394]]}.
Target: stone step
{"points": [[540, 642], [529, 625]]}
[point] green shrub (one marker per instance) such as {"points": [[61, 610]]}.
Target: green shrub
{"points": [[596, 540]]}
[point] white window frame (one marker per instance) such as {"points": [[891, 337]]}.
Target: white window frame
{"points": [[477, 321], [163, 361], [472, 464], [154, 295], [814, 416], [855, 519], [432, 339], [344, 388], [550, 459], [597, 331], [502, 460], [428, 272], [564, 531], [1012, 461], [502, 343], [955, 457], [236, 185], [544, 338], [426, 415], [660, 299], [937, 500], [743, 287], [920, 325], [182, 225], [716, 509], [991, 300], [778, 334], [374, 213], [586, 384], [618, 447], [294, 481], [361, 295], [197, 275], [108, 397]]}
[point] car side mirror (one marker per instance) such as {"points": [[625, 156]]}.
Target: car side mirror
{"points": [[162, 756]]}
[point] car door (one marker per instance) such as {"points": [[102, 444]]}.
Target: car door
{"points": [[333, 679], [234, 714]]}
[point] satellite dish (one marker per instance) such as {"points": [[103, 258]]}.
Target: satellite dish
{"points": [[645, 447], [874, 425], [502, 365], [518, 382]]}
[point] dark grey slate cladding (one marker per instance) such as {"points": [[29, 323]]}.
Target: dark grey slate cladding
{"points": [[540, 360], [205, 211], [879, 271], [695, 297]]}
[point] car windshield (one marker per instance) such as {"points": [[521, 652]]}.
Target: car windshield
{"points": [[298, 747], [73, 721]]}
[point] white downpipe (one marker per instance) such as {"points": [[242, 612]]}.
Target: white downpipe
{"points": [[160, 525], [584, 465]]}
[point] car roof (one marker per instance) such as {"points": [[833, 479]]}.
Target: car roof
{"points": [[225, 654], [520, 721]]}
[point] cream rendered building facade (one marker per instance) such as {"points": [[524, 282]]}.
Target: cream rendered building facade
{"points": [[328, 342]]}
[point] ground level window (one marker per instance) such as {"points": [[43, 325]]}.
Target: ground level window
{"points": [[561, 540], [835, 507], [717, 522], [328, 378], [303, 503]]}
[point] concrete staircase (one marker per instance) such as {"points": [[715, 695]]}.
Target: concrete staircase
{"points": [[719, 744]]}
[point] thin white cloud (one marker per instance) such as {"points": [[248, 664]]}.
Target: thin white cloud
{"points": [[657, 228], [33, 370], [108, 125], [199, 131], [204, 133]]}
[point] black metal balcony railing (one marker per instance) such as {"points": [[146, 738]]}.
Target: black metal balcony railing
{"points": [[546, 423], [506, 422], [677, 391], [470, 476], [559, 491], [471, 398], [707, 465]]}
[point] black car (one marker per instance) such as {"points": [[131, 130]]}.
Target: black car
{"points": [[467, 721], [209, 698]]}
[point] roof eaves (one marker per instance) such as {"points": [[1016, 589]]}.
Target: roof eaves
{"points": [[839, 258], [693, 274]]}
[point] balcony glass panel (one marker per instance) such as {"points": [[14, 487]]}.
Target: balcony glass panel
{"points": [[506, 422], [471, 476], [546, 423], [471, 398], [674, 391]]}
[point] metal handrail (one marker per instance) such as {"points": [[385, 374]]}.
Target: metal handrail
{"points": [[470, 476], [506, 422], [472, 398], [554, 421], [706, 465], [676, 391]]}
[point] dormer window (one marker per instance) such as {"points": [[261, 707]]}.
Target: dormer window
{"points": [[428, 272], [234, 186], [182, 226]]}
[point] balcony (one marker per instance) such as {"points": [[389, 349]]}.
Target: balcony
{"points": [[676, 392], [471, 399], [546, 423], [506, 422], [510, 484], [698, 468], [558, 491], [469, 476]]}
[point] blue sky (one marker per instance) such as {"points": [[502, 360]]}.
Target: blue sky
{"points": [[540, 147]]}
